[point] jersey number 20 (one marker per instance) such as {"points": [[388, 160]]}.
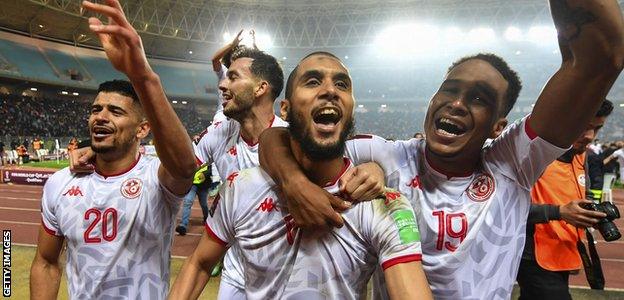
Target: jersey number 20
{"points": [[109, 215]]}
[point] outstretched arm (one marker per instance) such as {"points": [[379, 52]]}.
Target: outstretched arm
{"points": [[196, 270], [591, 39], [124, 49]]}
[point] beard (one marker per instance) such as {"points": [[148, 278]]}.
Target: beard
{"points": [[243, 103], [309, 146], [117, 147]]}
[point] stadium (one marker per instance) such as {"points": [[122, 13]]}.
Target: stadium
{"points": [[397, 54]]}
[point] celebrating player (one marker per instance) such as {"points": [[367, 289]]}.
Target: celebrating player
{"points": [[118, 221], [472, 202], [279, 260]]}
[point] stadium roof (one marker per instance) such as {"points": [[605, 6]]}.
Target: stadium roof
{"points": [[184, 29]]}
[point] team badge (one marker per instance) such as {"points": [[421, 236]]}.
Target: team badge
{"points": [[581, 179], [481, 188], [131, 188]]}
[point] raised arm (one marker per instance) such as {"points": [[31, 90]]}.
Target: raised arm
{"points": [[124, 49], [591, 39], [45, 271], [216, 58], [195, 272]]}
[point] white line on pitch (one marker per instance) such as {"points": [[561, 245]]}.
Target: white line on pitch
{"points": [[20, 209], [19, 223], [23, 199]]}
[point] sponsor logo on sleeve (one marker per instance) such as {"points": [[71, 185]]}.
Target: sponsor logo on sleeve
{"points": [[406, 224]]}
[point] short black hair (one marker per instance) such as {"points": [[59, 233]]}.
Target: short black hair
{"points": [[263, 66], [121, 87], [291, 77], [515, 85], [605, 109]]}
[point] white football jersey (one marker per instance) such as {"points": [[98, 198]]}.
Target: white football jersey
{"points": [[472, 225], [282, 262], [118, 230], [222, 144], [619, 155]]}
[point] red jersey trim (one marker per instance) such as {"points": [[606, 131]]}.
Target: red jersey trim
{"points": [[529, 131], [214, 236], [122, 172], [198, 161], [48, 230], [400, 260], [249, 143], [347, 164]]}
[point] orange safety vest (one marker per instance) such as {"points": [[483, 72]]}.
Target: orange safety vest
{"points": [[555, 241]]}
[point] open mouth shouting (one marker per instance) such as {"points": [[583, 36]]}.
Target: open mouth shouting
{"points": [[326, 119], [449, 128], [101, 132]]}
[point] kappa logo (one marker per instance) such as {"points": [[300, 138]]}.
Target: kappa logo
{"points": [[131, 188], [232, 151], [391, 196], [216, 124], [231, 178], [415, 183], [267, 205], [481, 188], [73, 191]]}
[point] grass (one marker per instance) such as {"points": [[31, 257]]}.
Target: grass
{"points": [[48, 164], [21, 259]]}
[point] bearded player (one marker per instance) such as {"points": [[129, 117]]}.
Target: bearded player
{"points": [[117, 222], [472, 202], [279, 260]]}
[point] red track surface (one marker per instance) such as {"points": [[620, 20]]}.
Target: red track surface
{"points": [[20, 212]]}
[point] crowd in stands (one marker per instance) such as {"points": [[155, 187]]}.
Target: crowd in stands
{"points": [[24, 118]]}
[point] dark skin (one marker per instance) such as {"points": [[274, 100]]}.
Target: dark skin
{"points": [[591, 39]]}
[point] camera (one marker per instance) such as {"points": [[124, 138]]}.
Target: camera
{"points": [[605, 225]]}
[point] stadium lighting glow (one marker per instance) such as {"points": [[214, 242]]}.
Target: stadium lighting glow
{"points": [[190, 51], [542, 34], [384, 106], [360, 105], [513, 34], [346, 56], [263, 41], [64, 92], [174, 102], [226, 37], [184, 102], [412, 37], [40, 25], [33, 89], [621, 104], [482, 35], [453, 35], [518, 52], [75, 94], [284, 58]]}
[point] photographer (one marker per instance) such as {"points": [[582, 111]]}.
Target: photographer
{"points": [[556, 215]]}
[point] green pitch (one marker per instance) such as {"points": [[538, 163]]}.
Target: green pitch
{"points": [[48, 164]]}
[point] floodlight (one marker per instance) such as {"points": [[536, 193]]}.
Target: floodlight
{"points": [[542, 34], [482, 35], [513, 34]]}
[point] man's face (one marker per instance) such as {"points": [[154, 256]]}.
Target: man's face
{"points": [[466, 110], [115, 123], [238, 88], [581, 143], [320, 111]]}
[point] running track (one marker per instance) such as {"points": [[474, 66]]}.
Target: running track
{"points": [[20, 212]]}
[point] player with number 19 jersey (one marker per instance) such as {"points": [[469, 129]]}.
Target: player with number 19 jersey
{"points": [[472, 225], [121, 247], [283, 263]]}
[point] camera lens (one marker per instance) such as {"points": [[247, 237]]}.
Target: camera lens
{"points": [[611, 210], [609, 231]]}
